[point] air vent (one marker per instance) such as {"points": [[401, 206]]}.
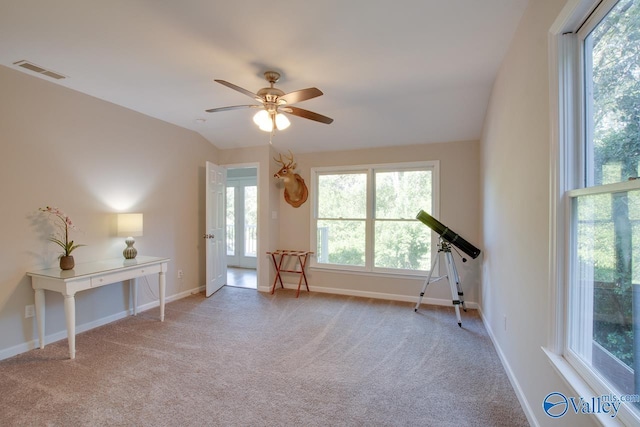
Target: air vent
{"points": [[38, 69]]}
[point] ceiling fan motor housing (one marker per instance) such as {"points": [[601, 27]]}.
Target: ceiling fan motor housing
{"points": [[270, 94], [272, 76]]}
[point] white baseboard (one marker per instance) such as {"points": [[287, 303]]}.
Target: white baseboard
{"points": [[367, 294], [49, 339], [33, 344], [512, 378]]}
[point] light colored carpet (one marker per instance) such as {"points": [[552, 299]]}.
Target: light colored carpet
{"points": [[244, 358]]}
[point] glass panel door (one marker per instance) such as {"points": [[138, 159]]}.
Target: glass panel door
{"points": [[242, 218], [250, 220]]}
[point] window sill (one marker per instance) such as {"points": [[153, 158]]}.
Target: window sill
{"points": [[581, 389], [394, 275]]}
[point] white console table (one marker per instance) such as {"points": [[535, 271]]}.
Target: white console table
{"points": [[93, 275]]}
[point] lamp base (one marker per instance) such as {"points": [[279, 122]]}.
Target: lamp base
{"points": [[130, 252]]}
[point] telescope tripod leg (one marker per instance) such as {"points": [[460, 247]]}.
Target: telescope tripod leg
{"points": [[426, 282], [460, 293], [454, 283]]}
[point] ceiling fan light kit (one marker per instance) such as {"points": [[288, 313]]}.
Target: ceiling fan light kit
{"points": [[274, 103], [265, 121]]}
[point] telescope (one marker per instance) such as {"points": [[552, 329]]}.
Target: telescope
{"points": [[448, 235]]}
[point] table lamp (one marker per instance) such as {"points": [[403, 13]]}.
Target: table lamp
{"points": [[130, 226]]}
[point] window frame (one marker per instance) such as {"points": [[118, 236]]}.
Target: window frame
{"points": [[370, 220], [570, 179]]}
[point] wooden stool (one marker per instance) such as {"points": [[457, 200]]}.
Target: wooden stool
{"points": [[302, 256]]}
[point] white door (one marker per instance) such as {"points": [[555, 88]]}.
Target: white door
{"points": [[215, 228]]}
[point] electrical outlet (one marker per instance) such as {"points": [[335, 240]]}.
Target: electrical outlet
{"points": [[180, 274], [29, 311]]}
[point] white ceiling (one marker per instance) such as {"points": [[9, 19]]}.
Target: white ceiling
{"points": [[392, 72]]}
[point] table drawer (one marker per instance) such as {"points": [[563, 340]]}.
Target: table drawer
{"points": [[119, 276]]}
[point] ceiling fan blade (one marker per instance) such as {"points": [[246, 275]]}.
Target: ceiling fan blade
{"points": [[306, 114], [301, 95], [233, 107], [241, 90]]}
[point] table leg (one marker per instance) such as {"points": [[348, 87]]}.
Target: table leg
{"points": [[278, 266], [133, 283], [301, 273], [303, 264], [70, 314], [162, 285], [299, 283], [275, 265], [39, 302]]}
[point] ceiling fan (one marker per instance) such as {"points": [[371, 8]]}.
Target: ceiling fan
{"points": [[274, 102]]}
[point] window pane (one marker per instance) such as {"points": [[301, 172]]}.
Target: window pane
{"points": [[634, 218], [342, 195], [612, 53], [401, 194], [602, 307], [366, 216], [231, 215], [250, 219], [403, 245], [341, 242]]}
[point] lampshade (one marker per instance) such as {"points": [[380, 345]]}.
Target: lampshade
{"points": [[130, 224], [282, 122], [264, 121]]}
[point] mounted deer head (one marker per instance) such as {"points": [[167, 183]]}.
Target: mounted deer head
{"points": [[295, 190]]}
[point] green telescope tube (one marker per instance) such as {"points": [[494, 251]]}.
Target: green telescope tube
{"points": [[448, 234]]}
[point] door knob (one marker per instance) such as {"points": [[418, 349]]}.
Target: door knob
{"points": [[209, 236]]}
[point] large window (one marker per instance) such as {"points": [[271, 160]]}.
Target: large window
{"points": [[364, 217], [600, 155]]}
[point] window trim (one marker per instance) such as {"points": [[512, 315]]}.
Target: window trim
{"points": [[566, 133], [369, 268]]}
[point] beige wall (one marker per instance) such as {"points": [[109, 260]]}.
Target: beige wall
{"points": [[91, 159], [515, 170], [459, 187]]}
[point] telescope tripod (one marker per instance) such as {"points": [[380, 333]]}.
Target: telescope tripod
{"points": [[452, 276]]}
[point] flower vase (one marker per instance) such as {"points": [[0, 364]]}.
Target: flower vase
{"points": [[67, 262]]}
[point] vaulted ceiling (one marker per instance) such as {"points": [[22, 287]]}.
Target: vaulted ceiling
{"points": [[392, 72]]}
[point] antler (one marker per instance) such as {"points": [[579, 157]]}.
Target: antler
{"points": [[280, 160], [289, 159]]}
